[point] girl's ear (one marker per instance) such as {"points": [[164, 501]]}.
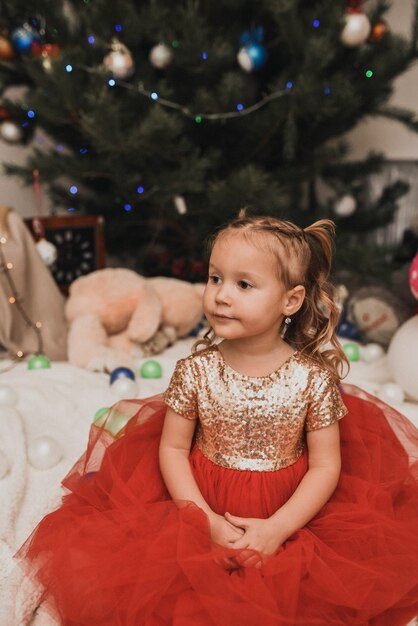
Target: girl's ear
{"points": [[294, 300]]}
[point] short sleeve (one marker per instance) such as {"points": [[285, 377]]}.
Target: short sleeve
{"points": [[326, 405], [181, 393]]}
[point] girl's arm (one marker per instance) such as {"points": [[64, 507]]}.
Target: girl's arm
{"points": [[314, 490], [176, 441]]}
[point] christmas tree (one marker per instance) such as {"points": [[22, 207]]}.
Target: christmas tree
{"points": [[167, 118]]}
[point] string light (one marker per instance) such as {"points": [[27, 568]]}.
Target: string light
{"points": [[369, 73], [139, 88], [15, 300]]}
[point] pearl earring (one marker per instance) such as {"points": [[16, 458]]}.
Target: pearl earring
{"points": [[287, 321]]}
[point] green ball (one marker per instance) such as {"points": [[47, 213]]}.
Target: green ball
{"points": [[151, 369], [38, 362], [352, 351], [100, 412]]}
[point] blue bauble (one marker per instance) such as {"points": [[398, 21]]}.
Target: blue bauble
{"points": [[252, 57], [347, 330], [22, 40], [121, 372]]}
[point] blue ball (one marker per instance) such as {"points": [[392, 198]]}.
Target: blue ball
{"points": [[252, 56], [121, 372], [347, 330], [22, 40]]}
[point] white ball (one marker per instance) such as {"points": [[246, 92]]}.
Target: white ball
{"points": [[356, 30], [391, 393], [403, 357], [119, 61], [48, 252], [124, 388], [4, 465], [245, 60], [345, 206], [44, 453], [11, 132], [8, 396], [371, 352], [160, 56]]}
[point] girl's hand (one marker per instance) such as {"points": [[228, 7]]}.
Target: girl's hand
{"points": [[259, 534], [223, 532]]}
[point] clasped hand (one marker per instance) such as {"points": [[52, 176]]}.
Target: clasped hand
{"points": [[246, 534]]}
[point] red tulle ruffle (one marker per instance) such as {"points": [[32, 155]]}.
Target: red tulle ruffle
{"points": [[119, 551]]}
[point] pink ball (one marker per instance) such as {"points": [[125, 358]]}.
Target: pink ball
{"points": [[413, 276]]}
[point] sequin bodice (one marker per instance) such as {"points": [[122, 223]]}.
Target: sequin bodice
{"points": [[253, 423]]}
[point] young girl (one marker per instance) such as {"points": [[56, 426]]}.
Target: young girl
{"points": [[262, 508]]}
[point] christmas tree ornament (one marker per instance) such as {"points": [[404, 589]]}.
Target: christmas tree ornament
{"points": [[100, 412], [151, 369], [112, 421], [352, 351], [6, 49], [4, 465], [39, 362], [47, 251], [392, 393], [8, 396], [379, 30], [160, 56], [345, 206], [252, 55], [11, 132], [119, 61], [403, 357], [44, 452], [413, 276], [121, 372], [357, 26], [124, 388], [371, 352], [22, 39], [347, 330]]}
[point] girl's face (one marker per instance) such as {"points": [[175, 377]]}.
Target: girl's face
{"points": [[244, 296]]}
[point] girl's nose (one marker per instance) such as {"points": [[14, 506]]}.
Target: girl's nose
{"points": [[222, 294]]}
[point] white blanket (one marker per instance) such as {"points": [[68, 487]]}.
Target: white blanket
{"points": [[61, 402]]}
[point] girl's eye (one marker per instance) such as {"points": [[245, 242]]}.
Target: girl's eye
{"points": [[244, 285], [214, 279]]}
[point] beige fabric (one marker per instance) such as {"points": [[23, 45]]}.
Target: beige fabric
{"points": [[40, 295]]}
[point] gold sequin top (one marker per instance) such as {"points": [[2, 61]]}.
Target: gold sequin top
{"points": [[253, 423]]}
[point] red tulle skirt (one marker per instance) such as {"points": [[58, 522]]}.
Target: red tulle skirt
{"points": [[119, 551]]}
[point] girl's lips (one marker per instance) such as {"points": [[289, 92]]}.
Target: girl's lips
{"points": [[222, 317]]}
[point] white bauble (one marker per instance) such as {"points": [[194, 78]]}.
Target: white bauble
{"points": [[44, 453], [160, 56], [371, 352], [47, 251], [10, 132], [8, 396], [124, 388], [4, 465], [403, 357], [345, 206], [244, 60], [119, 61], [392, 393], [356, 30]]}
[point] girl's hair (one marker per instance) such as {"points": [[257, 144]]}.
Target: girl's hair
{"points": [[304, 257]]}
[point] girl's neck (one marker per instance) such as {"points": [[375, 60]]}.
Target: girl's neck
{"points": [[255, 358]]}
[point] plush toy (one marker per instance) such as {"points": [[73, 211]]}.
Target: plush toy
{"points": [[377, 313], [117, 315]]}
